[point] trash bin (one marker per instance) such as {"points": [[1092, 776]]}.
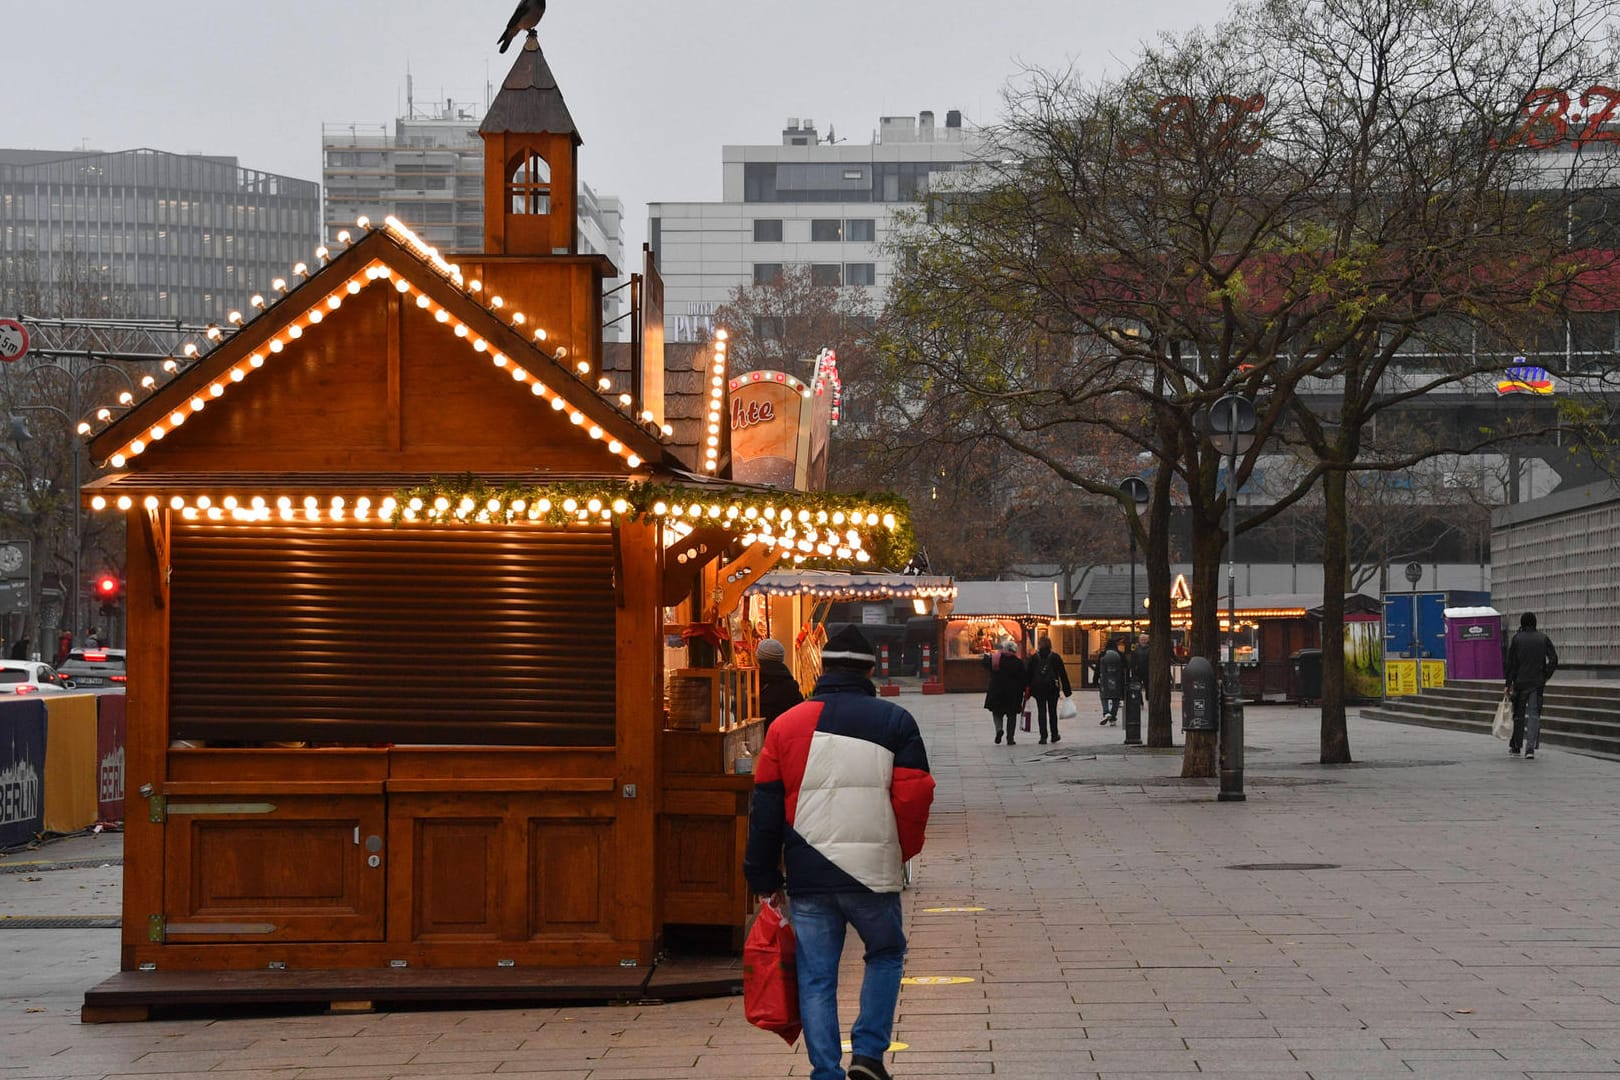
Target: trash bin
{"points": [[1306, 668]]}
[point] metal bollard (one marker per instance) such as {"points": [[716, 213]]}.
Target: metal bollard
{"points": [[1231, 747], [1133, 713]]}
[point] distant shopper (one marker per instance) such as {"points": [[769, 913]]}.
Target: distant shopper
{"points": [[1138, 662], [841, 799], [64, 646], [1046, 676], [19, 650], [1111, 682], [1008, 681], [1531, 661], [778, 689]]}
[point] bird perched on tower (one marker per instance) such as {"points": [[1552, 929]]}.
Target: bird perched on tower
{"points": [[526, 17]]}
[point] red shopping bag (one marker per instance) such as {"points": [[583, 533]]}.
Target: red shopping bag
{"points": [[1026, 718], [770, 975]]}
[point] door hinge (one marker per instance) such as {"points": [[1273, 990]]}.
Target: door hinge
{"points": [[157, 808], [156, 927]]}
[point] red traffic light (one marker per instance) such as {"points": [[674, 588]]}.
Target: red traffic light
{"points": [[107, 586]]}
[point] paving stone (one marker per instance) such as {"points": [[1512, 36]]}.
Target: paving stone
{"points": [[1467, 933]]}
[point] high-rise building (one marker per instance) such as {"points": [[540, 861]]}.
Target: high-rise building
{"points": [[149, 234], [820, 201], [427, 169]]}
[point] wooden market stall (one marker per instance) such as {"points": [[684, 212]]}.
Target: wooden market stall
{"points": [[402, 577], [1269, 630], [987, 613], [792, 606]]}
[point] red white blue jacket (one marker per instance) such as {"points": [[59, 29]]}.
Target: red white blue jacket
{"points": [[841, 794]]}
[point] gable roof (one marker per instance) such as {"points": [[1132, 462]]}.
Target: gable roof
{"points": [[1006, 598], [391, 256]]}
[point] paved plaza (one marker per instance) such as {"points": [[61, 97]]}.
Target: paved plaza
{"points": [[1462, 919]]}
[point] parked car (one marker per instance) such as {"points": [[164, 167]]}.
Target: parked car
{"points": [[95, 669], [32, 677]]}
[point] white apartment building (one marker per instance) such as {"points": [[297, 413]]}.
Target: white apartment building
{"points": [[427, 169], [831, 204]]}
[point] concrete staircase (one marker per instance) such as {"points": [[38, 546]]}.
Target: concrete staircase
{"points": [[1580, 716]]}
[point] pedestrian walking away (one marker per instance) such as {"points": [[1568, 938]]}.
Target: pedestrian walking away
{"points": [[1138, 662], [1047, 675], [841, 798], [1009, 680], [1111, 682], [778, 689], [1531, 661]]}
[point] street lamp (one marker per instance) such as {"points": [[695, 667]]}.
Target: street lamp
{"points": [[1231, 432], [70, 416], [1135, 489]]}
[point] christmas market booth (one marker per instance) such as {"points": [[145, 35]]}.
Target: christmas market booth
{"points": [[793, 606], [987, 613], [430, 693]]}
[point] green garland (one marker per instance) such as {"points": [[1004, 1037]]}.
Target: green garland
{"points": [[888, 543]]}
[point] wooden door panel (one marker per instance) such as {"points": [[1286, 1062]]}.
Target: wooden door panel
{"points": [[459, 879], [286, 869], [502, 866], [699, 869], [571, 877]]}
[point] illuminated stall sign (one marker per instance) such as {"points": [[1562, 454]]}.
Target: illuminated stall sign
{"points": [[775, 420]]}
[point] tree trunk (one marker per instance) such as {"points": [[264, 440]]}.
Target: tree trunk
{"points": [[1201, 757], [1160, 729], [1335, 567]]}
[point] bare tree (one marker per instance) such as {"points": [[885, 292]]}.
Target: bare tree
{"points": [[1272, 208]]}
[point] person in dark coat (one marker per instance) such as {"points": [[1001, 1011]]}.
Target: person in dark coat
{"points": [[1046, 676], [1531, 661], [778, 689], [1138, 662], [1111, 682], [1005, 697]]}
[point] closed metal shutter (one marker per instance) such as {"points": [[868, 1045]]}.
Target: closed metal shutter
{"points": [[356, 634]]}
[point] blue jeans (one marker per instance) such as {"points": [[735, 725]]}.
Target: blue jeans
{"points": [[820, 921]]}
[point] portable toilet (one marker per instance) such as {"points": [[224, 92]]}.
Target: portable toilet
{"points": [[1473, 643]]}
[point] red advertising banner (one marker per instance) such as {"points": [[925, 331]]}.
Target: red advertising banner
{"points": [[110, 757]]}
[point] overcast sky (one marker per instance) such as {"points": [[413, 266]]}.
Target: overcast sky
{"points": [[655, 88]]}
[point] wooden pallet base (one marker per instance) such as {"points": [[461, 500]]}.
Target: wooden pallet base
{"points": [[134, 996]]}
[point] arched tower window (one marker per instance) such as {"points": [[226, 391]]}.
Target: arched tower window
{"points": [[528, 186]]}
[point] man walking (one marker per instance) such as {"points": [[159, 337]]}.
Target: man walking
{"points": [[841, 798], [1531, 661]]}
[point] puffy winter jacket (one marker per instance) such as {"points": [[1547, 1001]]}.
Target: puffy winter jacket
{"points": [[841, 793]]}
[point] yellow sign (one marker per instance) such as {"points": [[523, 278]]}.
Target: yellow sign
{"points": [[892, 1046], [935, 980], [950, 910], [1400, 676]]}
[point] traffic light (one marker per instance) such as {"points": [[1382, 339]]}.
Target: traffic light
{"points": [[109, 590]]}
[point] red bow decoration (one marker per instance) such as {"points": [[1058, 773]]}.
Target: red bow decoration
{"points": [[707, 631]]}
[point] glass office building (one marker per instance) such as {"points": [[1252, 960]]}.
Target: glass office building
{"points": [[149, 234]]}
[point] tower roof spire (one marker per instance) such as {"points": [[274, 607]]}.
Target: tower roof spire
{"points": [[530, 102]]}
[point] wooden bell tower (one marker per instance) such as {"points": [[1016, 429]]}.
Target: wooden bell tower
{"points": [[531, 164]]}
